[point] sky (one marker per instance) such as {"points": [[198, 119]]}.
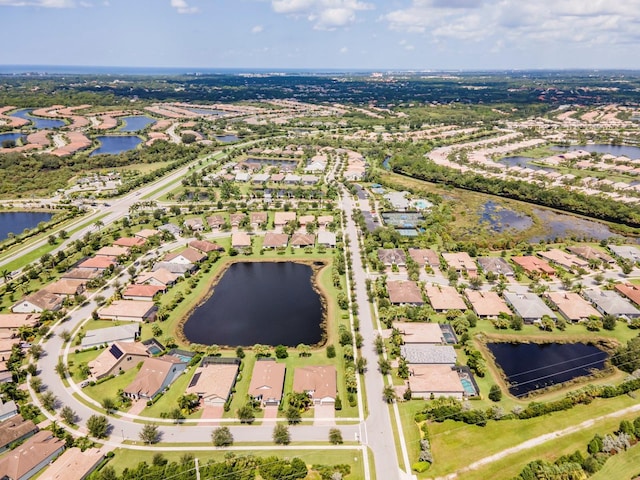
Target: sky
{"points": [[324, 34]]}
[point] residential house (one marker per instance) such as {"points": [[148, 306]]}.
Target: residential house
{"points": [[113, 251], [392, 256], [15, 321], [325, 220], [282, 218], [128, 311], [160, 277], [142, 292], [572, 306], [171, 228], [66, 287], [534, 265], [425, 256], [496, 265], [304, 220], [461, 262], [99, 264], [118, 357], [8, 410], [275, 240], [74, 464], [156, 374], [205, 246], [326, 239], [82, 273], [626, 252], [194, 224], [529, 306], [301, 240], [486, 304], [309, 179], [292, 179], [591, 253], [178, 269], [632, 292], [609, 302], [277, 177], [32, 456], [126, 333], [317, 381], [216, 222], [404, 292], [129, 242], [38, 302], [15, 429], [420, 332], [146, 233], [242, 177], [240, 240], [260, 178], [235, 219], [267, 381], [444, 298], [564, 259], [258, 219], [185, 257], [214, 379], [428, 354], [433, 381]]}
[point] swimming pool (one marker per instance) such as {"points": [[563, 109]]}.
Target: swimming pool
{"points": [[154, 349], [468, 386]]}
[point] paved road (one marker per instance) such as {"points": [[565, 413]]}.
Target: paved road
{"points": [[378, 434]]}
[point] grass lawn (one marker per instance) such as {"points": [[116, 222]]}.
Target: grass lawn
{"points": [[110, 388], [130, 458], [169, 400], [621, 467], [77, 359], [450, 438], [508, 467]]}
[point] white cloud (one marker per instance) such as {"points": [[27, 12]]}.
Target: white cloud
{"points": [[514, 22], [257, 29], [324, 14], [344, 50], [182, 7], [38, 3]]}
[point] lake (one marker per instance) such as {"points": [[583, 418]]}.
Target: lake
{"points": [[17, 222], [532, 366], [113, 144], [269, 303], [227, 138], [617, 150], [136, 123], [501, 219], [10, 136], [38, 122], [524, 162]]}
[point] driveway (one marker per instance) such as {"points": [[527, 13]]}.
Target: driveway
{"points": [[324, 415]]}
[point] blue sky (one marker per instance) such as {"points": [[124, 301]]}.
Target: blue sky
{"points": [[340, 34]]}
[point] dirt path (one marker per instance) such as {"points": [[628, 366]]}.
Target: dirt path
{"points": [[538, 441]]}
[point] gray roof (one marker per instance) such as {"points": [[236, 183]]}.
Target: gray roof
{"points": [[178, 268], [497, 265], [609, 302], [628, 252], [8, 409], [528, 305], [326, 238], [398, 200], [120, 333], [171, 228], [430, 354]]}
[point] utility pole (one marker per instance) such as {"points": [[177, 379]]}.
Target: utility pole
{"points": [[197, 470]]}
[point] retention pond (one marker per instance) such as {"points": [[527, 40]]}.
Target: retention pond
{"points": [[269, 303], [533, 366]]}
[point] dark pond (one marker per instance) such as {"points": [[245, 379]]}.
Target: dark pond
{"points": [[116, 144], [17, 222], [227, 138], [617, 150], [10, 136], [38, 122], [136, 123], [259, 302], [524, 162], [533, 366], [559, 225], [501, 219]]}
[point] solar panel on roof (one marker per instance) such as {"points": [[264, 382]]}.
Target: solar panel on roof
{"points": [[115, 351], [194, 380]]}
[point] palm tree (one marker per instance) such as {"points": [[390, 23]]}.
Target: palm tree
{"points": [[6, 275], [98, 224]]}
